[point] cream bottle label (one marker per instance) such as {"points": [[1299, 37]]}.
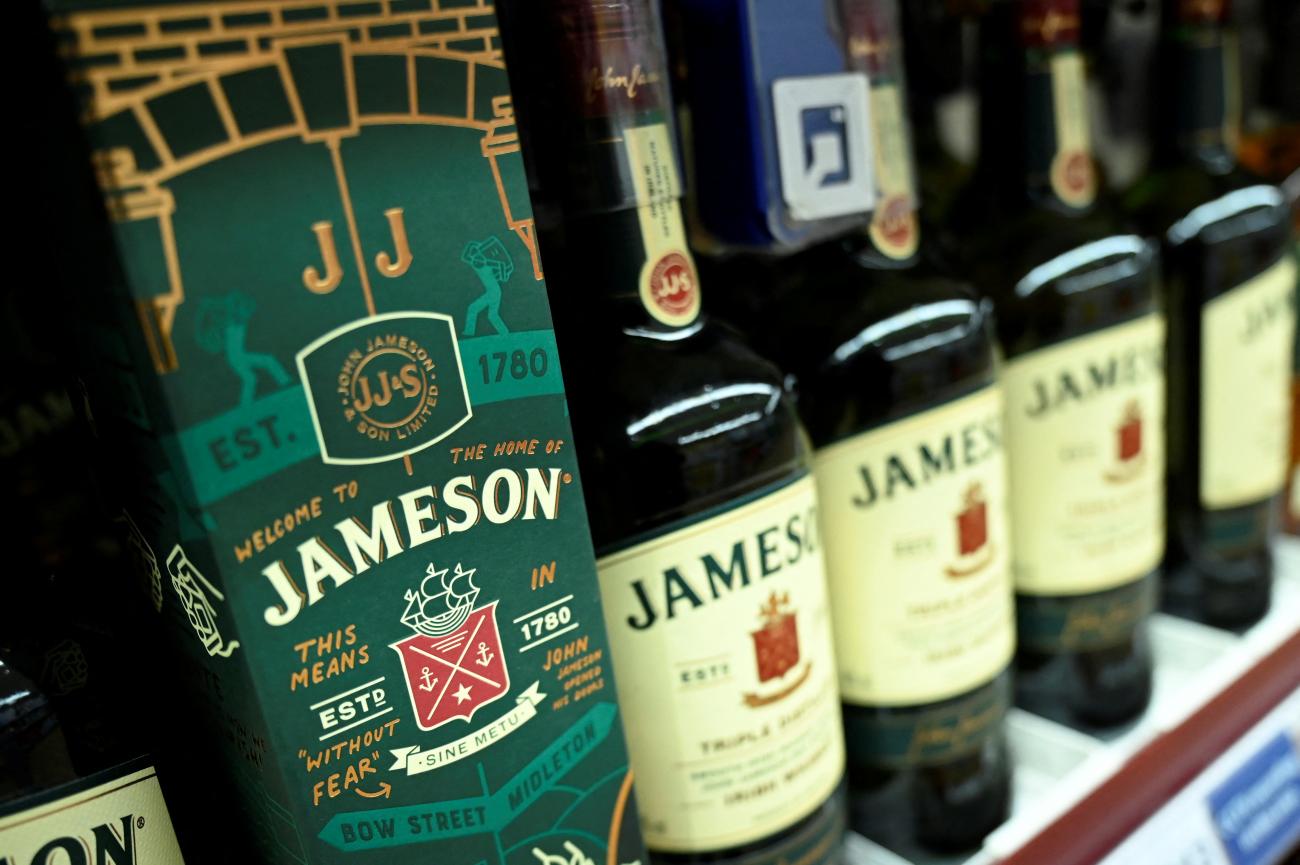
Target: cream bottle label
{"points": [[917, 552], [121, 820], [721, 644], [1085, 438], [1247, 336]]}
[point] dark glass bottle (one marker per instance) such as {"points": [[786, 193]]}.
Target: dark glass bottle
{"points": [[80, 708], [1079, 323], [695, 465], [58, 800], [33, 751], [81, 712], [1229, 280], [896, 375]]}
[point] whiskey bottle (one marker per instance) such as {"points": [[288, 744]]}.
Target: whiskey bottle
{"points": [[694, 463], [80, 709], [50, 812], [896, 379], [1080, 325], [1229, 283]]}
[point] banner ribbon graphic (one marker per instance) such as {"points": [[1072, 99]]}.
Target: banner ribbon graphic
{"points": [[416, 761], [452, 818]]}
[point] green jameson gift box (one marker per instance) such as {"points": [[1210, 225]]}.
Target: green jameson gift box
{"points": [[352, 487]]}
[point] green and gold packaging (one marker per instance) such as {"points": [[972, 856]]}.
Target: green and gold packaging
{"points": [[328, 377]]}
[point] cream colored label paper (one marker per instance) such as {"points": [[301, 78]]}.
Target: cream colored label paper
{"points": [[893, 223], [669, 284], [1246, 349], [720, 639], [1085, 443], [123, 820], [916, 538], [1072, 174]]}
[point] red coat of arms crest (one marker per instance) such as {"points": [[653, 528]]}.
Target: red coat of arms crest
{"points": [[453, 663], [1129, 433], [972, 521], [776, 644]]}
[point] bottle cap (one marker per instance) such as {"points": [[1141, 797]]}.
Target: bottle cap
{"points": [[869, 29], [1203, 11], [1049, 23]]}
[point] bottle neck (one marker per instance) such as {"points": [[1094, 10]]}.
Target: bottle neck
{"points": [[1034, 128], [591, 89], [873, 46], [1199, 85], [637, 248]]}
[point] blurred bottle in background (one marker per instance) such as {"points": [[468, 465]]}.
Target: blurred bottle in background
{"points": [[1082, 331], [1229, 283]]}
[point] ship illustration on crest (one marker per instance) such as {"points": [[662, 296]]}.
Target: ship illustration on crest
{"points": [[441, 604], [974, 549], [453, 661]]}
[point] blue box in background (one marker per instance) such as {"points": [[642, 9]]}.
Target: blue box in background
{"points": [[778, 139]]}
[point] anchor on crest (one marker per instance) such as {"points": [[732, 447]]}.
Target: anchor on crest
{"points": [[428, 680]]}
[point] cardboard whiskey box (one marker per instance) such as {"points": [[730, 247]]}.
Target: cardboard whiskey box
{"points": [[326, 368]]}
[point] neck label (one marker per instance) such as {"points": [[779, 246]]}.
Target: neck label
{"points": [[669, 285], [871, 46], [1072, 175]]}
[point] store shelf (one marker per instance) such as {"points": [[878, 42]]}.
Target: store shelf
{"points": [[1209, 775]]}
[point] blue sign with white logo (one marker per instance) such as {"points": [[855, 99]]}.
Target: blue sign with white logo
{"points": [[780, 134], [1256, 811]]}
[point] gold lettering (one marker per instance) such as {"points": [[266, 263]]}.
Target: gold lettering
{"points": [[311, 277], [388, 266]]}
